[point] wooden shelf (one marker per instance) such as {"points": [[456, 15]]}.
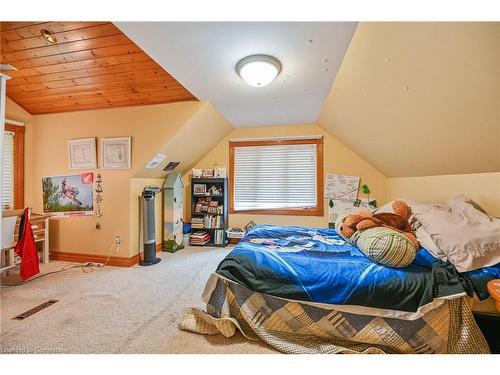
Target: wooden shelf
{"points": [[205, 213], [193, 229], [221, 199], [208, 196]]}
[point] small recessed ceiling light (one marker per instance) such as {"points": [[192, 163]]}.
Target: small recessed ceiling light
{"points": [[309, 41], [325, 60], [48, 35], [325, 69], [387, 59], [258, 70]]}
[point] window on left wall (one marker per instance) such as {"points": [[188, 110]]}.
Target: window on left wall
{"points": [[13, 167]]}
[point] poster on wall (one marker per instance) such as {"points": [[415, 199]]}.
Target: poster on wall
{"points": [[341, 187], [70, 195]]}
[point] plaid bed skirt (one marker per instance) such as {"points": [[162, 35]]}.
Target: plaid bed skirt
{"points": [[302, 328]]}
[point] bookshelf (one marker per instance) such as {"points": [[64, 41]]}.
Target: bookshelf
{"points": [[209, 211]]}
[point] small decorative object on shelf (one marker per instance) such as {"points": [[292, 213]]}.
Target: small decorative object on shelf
{"points": [[208, 173], [220, 172], [197, 173], [200, 189], [215, 190], [209, 213]]}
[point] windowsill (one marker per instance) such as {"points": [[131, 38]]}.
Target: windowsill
{"points": [[295, 212]]}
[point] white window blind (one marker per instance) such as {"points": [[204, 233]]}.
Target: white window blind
{"points": [[8, 171], [275, 177]]}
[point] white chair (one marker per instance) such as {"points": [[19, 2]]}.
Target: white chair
{"points": [[7, 250]]}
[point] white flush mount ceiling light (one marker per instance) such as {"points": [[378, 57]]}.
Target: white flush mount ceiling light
{"points": [[258, 70]]}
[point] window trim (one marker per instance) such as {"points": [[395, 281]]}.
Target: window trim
{"points": [[317, 211], [18, 163]]}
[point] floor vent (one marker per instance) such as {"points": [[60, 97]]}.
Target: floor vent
{"points": [[34, 310]]}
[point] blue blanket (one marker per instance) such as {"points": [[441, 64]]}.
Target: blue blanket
{"points": [[316, 265]]}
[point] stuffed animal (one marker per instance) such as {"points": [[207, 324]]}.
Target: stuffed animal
{"points": [[365, 219]]}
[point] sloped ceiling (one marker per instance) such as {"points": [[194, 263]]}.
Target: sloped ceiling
{"points": [[417, 99], [203, 56], [190, 143]]}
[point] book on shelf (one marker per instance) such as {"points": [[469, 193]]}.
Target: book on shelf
{"points": [[219, 237], [203, 205], [207, 222], [200, 238]]}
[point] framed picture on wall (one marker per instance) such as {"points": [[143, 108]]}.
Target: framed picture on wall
{"points": [[116, 153], [69, 195], [82, 153]]}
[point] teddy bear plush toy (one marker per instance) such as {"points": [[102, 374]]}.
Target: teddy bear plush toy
{"points": [[397, 221]]}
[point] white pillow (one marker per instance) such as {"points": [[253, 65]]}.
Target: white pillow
{"points": [[427, 243], [469, 238]]}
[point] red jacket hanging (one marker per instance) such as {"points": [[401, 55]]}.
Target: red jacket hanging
{"points": [[26, 248]]}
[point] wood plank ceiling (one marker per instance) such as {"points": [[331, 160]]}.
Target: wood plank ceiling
{"points": [[92, 65]]}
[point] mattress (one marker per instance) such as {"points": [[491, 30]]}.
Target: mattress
{"points": [[304, 290], [317, 266]]}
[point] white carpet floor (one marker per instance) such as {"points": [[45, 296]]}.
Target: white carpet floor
{"points": [[117, 310]]}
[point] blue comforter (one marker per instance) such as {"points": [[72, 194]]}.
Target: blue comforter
{"points": [[317, 265]]}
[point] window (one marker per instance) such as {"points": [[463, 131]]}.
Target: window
{"points": [[277, 177], [13, 167]]}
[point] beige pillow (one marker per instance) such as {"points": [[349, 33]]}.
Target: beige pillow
{"points": [[427, 243], [469, 238]]}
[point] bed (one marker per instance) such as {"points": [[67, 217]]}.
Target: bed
{"points": [[304, 290]]}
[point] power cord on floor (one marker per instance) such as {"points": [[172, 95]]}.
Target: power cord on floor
{"points": [[86, 267]]}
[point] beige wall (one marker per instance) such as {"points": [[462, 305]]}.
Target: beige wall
{"points": [[337, 159], [192, 142], [419, 98], [150, 128], [483, 188]]}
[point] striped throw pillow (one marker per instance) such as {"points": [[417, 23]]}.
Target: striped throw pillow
{"points": [[385, 246]]}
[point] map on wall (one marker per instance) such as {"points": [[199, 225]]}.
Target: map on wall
{"points": [[341, 187]]}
